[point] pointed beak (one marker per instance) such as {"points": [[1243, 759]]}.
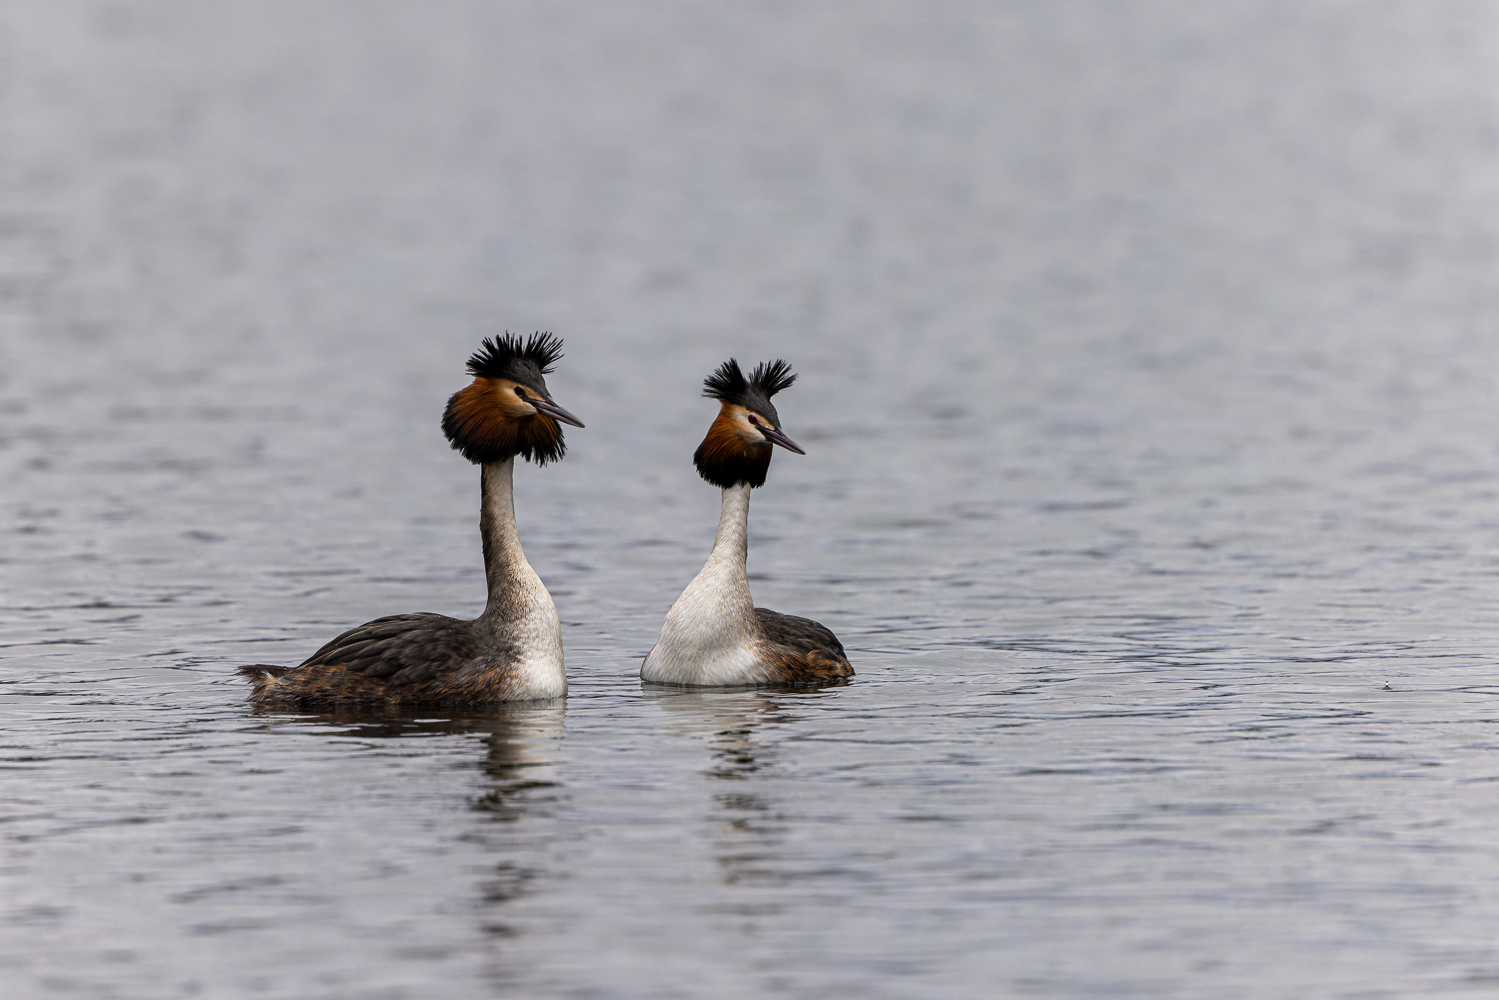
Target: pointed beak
{"points": [[554, 411], [776, 437]]}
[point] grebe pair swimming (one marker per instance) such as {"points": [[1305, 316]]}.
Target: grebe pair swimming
{"points": [[713, 636]]}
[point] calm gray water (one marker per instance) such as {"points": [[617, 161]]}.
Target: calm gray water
{"points": [[1148, 356]]}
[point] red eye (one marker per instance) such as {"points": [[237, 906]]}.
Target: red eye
{"points": [[753, 420]]}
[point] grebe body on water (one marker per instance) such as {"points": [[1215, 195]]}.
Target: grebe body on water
{"points": [[511, 652], [714, 636]]}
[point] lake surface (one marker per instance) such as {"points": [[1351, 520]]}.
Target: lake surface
{"points": [[1148, 355]]}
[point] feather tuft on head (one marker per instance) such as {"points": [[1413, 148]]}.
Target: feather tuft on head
{"points": [[725, 458], [510, 357], [489, 421], [729, 384]]}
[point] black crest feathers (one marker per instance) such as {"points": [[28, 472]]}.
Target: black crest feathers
{"points": [[510, 357], [729, 384]]}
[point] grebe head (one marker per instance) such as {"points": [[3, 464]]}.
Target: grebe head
{"points": [[507, 410], [738, 446]]}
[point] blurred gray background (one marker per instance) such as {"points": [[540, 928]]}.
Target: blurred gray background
{"points": [[1148, 255]]}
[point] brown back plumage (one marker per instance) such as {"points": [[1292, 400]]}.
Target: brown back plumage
{"points": [[802, 652]]}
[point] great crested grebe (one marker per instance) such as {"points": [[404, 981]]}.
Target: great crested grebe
{"points": [[513, 651], [714, 636]]}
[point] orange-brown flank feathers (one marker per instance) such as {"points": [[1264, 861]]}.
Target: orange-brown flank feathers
{"points": [[489, 422], [801, 652]]}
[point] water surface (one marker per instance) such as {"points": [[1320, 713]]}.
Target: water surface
{"points": [[1147, 369]]}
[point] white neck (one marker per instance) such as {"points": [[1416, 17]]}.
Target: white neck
{"points": [[519, 610], [710, 633]]}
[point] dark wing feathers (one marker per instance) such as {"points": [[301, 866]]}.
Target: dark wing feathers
{"points": [[402, 659], [803, 633], [404, 649], [804, 651]]}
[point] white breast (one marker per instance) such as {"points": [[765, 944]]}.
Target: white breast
{"points": [[539, 673], [710, 636]]}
